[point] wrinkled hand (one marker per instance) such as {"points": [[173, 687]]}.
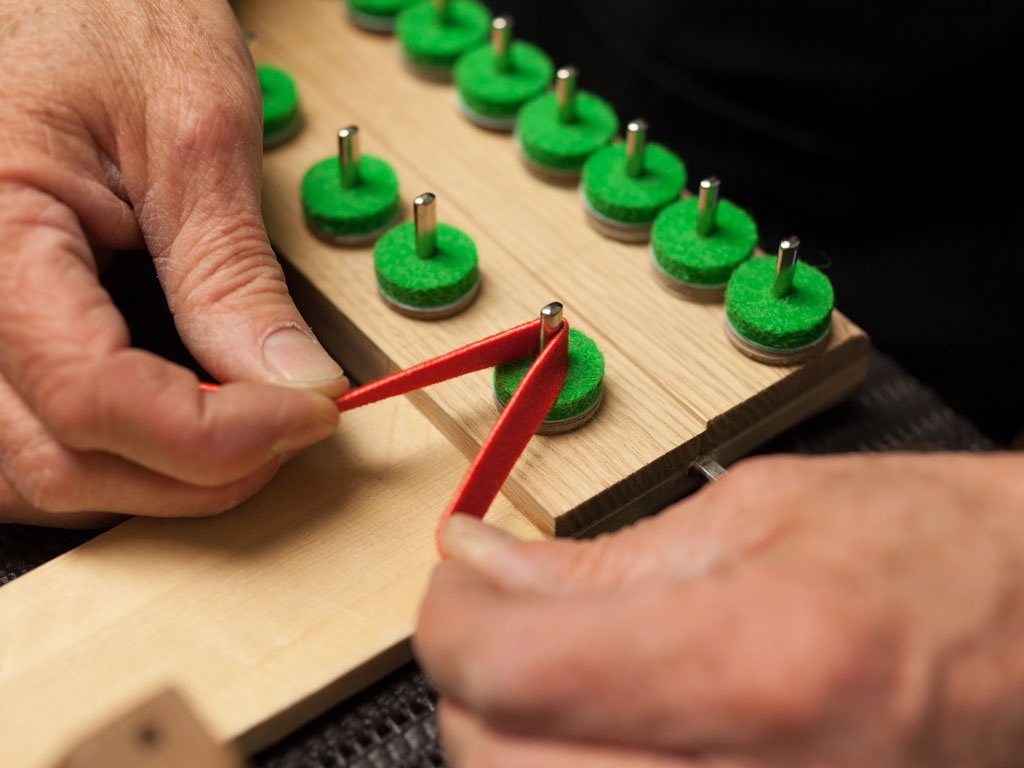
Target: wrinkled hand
{"points": [[123, 123], [849, 611]]}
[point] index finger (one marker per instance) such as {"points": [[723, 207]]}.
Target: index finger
{"points": [[65, 349]]}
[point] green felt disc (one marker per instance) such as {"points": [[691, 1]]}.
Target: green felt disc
{"points": [[334, 210], [386, 9], [489, 92], [705, 261], [430, 43], [280, 102], [550, 143], [612, 193], [444, 279], [796, 320], [583, 378]]}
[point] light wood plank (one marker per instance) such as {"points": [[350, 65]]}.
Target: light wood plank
{"points": [[262, 617]]}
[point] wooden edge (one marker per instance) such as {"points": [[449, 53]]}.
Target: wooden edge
{"points": [[288, 720], [810, 389]]}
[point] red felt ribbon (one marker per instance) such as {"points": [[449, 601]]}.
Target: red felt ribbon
{"points": [[517, 423]]}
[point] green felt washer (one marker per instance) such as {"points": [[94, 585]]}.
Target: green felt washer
{"points": [[350, 216], [280, 104], [432, 46], [693, 261], [778, 330], [492, 98], [436, 287], [623, 206], [376, 15], [552, 145], [581, 392]]}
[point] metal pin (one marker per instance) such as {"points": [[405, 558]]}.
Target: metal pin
{"points": [[636, 146], [706, 468], [424, 215], [550, 322], [501, 42], [441, 9], [707, 206], [348, 156], [785, 266], [565, 93]]}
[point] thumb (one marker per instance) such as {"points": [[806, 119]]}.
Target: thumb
{"points": [[201, 217], [556, 568]]}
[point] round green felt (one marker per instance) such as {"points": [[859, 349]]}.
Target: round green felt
{"points": [[489, 92], [280, 101], [429, 43], [793, 321], [443, 279], [706, 261], [384, 8], [335, 210], [614, 194], [550, 143], [583, 378]]}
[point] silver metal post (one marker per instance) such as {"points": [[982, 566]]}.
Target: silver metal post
{"points": [[550, 322], [501, 42], [348, 156], [441, 9], [706, 468], [424, 215], [707, 206], [565, 93], [785, 266], [636, 146]]}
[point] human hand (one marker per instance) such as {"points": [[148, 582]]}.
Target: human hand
{"points": [[123, 123], [847, 611]]}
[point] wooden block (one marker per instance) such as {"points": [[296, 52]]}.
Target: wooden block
{"points": [[672, 374], [161, 733], [262, 617]]}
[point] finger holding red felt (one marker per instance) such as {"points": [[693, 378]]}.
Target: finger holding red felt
{"points": [[721, 663]]}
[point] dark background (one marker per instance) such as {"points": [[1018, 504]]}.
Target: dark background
{"points": [[878, 133]]}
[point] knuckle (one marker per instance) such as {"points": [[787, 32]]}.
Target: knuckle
{"points": [[43, 476], [236, 266]]}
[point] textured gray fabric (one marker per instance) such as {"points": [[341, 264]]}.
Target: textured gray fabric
{"points": [[392, 723]]}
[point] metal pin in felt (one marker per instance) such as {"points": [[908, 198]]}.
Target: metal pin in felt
{"points": [[501, 42], [565, 93], [442, 10], [550, 322], [636, 147], [785, 266], [348, 156], [424, 216], [707, 206]]}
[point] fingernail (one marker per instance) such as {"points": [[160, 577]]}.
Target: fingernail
{"points": [[473, 542], [303, 437], [295, 358]]}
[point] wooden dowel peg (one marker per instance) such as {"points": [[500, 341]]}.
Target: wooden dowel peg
{"points": [[785, 266], [550, 322], [348, 156], [425, 222], [636, 146], [501, 42], [565, 93], [707, 206]]}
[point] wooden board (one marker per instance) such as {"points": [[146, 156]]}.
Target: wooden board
{"points": [[675, 386], [269, 614], [261, 618]]}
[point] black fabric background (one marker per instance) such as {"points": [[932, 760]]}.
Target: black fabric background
{"points": [[881, 133]]}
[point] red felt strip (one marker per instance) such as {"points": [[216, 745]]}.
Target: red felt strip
{"points": [[513, 344], [522, 416]]}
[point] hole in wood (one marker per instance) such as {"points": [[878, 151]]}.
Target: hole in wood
{"points": [[149, 736]]}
